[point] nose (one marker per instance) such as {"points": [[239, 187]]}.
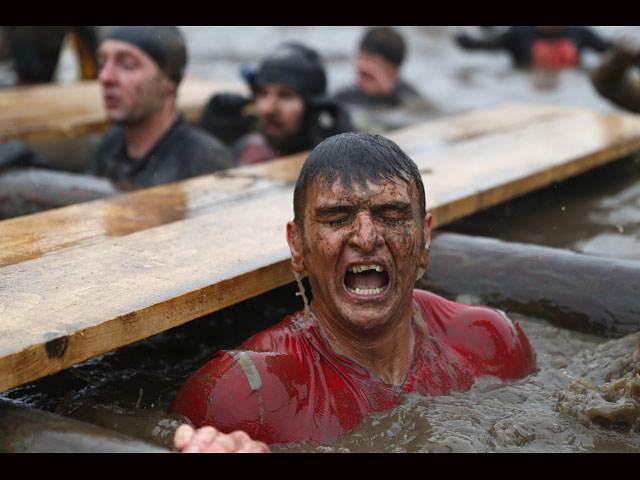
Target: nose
{"points": [[365, 236], [106, 73], [267, 104]]}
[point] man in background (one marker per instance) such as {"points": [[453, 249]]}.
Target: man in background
{"points": [[381, 99], [140, 69], [289, 111]]}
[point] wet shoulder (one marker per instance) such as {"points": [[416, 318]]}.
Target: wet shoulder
{"points": [[487, 337], [203, 149], [283, 337]]}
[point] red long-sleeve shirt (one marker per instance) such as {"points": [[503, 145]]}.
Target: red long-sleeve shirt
{"points": [[286, 385]]}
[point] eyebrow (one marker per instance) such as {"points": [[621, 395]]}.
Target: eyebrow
{"points": [[334, 208], [399, 205]]}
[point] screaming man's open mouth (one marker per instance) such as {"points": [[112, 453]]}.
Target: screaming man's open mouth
{"points": [[366, 279]]}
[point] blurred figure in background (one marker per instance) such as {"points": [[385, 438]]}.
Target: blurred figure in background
{"points": [[550, 47], [289, 111], [380, 90], [151, 144], [617, 78], [36, 50]]}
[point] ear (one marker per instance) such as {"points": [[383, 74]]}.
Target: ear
{"points": [[294, 239], [424, 257], [168, 87]]}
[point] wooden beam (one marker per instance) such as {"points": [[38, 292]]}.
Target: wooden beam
{"points": [[29, 430], [85, 279], [580, 292], [53, 112], [31, 236], [26, 238]]}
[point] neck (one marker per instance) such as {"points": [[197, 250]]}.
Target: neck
{"points": [[386, 353], [143, 136]]}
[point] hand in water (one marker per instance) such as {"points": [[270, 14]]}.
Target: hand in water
{"points": [[210, 440]]}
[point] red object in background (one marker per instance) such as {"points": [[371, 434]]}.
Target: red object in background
{"points": [[554, 53]]}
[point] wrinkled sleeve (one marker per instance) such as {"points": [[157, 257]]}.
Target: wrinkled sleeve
{"points": [[221, 393]]}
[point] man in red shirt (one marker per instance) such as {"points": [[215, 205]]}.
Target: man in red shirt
{"points": [[361, 233]]}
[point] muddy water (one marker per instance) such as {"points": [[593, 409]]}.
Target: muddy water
{"points": [[566, 405], [130, 390], [525, 416]]}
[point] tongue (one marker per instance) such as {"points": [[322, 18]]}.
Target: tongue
{"points": [[366, 280]]}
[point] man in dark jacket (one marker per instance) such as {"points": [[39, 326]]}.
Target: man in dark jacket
{"points": [[140, 70], [381, 99]]}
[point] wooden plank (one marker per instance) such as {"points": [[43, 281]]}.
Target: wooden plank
{"points": [[26, 238], [31, 236], [459, 138], [111, 285], [54, 112], [61, 309], [437, 134], [498, 166]]}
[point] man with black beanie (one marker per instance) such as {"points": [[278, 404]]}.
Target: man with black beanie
{"points": [[381, 99], [292, 111], [140, 69]]}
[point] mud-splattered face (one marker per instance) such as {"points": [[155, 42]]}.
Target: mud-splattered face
{"points": [[362, 247]]}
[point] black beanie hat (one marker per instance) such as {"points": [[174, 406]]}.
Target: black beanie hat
{"points": [[386, 42], [165, 45], [295, 65]]}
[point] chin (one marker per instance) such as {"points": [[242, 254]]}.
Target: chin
{"points": [[369, 316], [115, 116], [370, 324], [369, 89]]}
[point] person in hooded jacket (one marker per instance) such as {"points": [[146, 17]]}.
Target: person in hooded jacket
{"points": [[289, 111]]}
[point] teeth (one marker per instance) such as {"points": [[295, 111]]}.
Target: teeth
{"points": [[362, 268], [366, 291]]}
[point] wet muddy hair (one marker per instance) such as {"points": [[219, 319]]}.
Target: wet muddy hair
{"points": [[355, 158]]}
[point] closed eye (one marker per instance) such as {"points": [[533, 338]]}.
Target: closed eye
{"points": [[391, 221], [334, 215], [393, 214], [339, 222]]}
